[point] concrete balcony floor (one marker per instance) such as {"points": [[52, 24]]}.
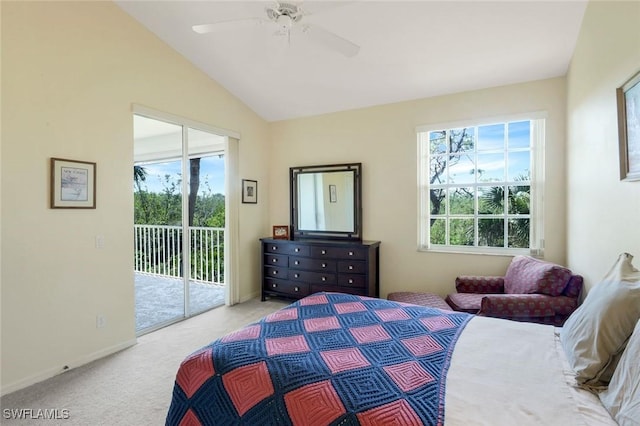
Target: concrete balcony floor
{"points": [[160, 299]]}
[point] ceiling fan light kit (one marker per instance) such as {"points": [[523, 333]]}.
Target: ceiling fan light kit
{"points": [[284, 22], [286, 17]]}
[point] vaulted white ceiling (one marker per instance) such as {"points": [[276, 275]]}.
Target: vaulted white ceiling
{"points": [[408, 49]]}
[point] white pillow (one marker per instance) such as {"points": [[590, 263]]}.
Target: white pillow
{"points": [[595, 334], [622, 398]]}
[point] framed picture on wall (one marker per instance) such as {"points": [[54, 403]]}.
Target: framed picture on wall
{"points": [[628, 97], [73, 184], [333, 196], [249, 191]]}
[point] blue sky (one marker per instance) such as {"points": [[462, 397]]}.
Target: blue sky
{"points": [[211, 173], [491, 160]]}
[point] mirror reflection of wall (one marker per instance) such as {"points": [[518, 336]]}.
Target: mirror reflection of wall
{"points": [[310, 215], [326, 201]]}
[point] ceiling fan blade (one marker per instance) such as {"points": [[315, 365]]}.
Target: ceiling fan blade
{"points": [[332, 41], [222, 26]]}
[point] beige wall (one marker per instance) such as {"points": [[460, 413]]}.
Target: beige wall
{"points": [[70, 73], [383, 138], [603, 213]]}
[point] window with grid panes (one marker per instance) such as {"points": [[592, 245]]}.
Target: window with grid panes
{"points": [[480, 186]]}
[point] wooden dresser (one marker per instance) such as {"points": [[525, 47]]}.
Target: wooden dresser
{"points": [[295, 269]]}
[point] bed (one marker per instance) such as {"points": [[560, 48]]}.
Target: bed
{"points": [[338, 359]]}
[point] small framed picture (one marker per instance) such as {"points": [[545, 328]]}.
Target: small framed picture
{"points": [[628, 96], [281, 232], [249, 191], [73, 184], [333, 196]]}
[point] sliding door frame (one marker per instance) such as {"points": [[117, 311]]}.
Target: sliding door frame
{"points": [[231, 235]]}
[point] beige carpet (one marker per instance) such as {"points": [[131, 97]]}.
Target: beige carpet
{"points": [[134, 386]]}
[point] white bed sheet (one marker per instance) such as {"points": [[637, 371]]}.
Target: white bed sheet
{"points": [[513, 373]]}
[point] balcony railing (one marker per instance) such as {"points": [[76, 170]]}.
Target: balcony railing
{"points": [[158, 250]]}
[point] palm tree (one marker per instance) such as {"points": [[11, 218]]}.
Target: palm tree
{"points": [[491, 230], [139, 176], [194, 185]]}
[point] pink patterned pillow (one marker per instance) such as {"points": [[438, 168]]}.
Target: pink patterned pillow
{"points": [[527, 275]]}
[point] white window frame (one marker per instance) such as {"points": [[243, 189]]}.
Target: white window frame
{"points": [[537, 170]]}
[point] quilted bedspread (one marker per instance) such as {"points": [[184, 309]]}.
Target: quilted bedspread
{"points": [[327, 359]]}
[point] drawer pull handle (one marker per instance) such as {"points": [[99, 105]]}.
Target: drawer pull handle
{"points": [[297, 249], [324, 278], [274, 285], [296, 289], [350, 253], [274, 260], [350, 281], [324, 265], [274, 248], [297, 275], [350, 267], [323, 252], [297, 262], [275, 272]]}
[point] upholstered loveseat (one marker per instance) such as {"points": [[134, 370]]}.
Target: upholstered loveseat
{"points": [[531, 290]]}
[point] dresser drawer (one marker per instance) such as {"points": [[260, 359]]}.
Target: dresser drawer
{"points": [[287, 248], [276, 260], [338, 252], [352, 266], [312, 277], [278, 248], [274, 272], [312, 264], [286, 287], [352, 280], [298, 249]]}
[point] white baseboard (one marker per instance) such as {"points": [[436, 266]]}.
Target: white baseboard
{"points": [[250, 296], [51, 372]]}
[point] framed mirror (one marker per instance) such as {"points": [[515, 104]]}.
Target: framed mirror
{"points": [[326, 201]]}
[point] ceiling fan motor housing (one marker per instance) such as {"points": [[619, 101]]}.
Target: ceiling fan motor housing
{"points": [[285, 9]]}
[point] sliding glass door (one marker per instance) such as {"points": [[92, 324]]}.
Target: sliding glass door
{"points": [[205, 220], [179, 221]]}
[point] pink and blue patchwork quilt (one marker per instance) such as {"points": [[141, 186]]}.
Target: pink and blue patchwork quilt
{"points": [[327, 359]]}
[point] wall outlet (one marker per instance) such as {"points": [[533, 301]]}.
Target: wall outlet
{"points": [[101, 321], [99, 241]]}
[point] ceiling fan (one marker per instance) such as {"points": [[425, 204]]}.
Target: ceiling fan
{"points": [[286, 18]]}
